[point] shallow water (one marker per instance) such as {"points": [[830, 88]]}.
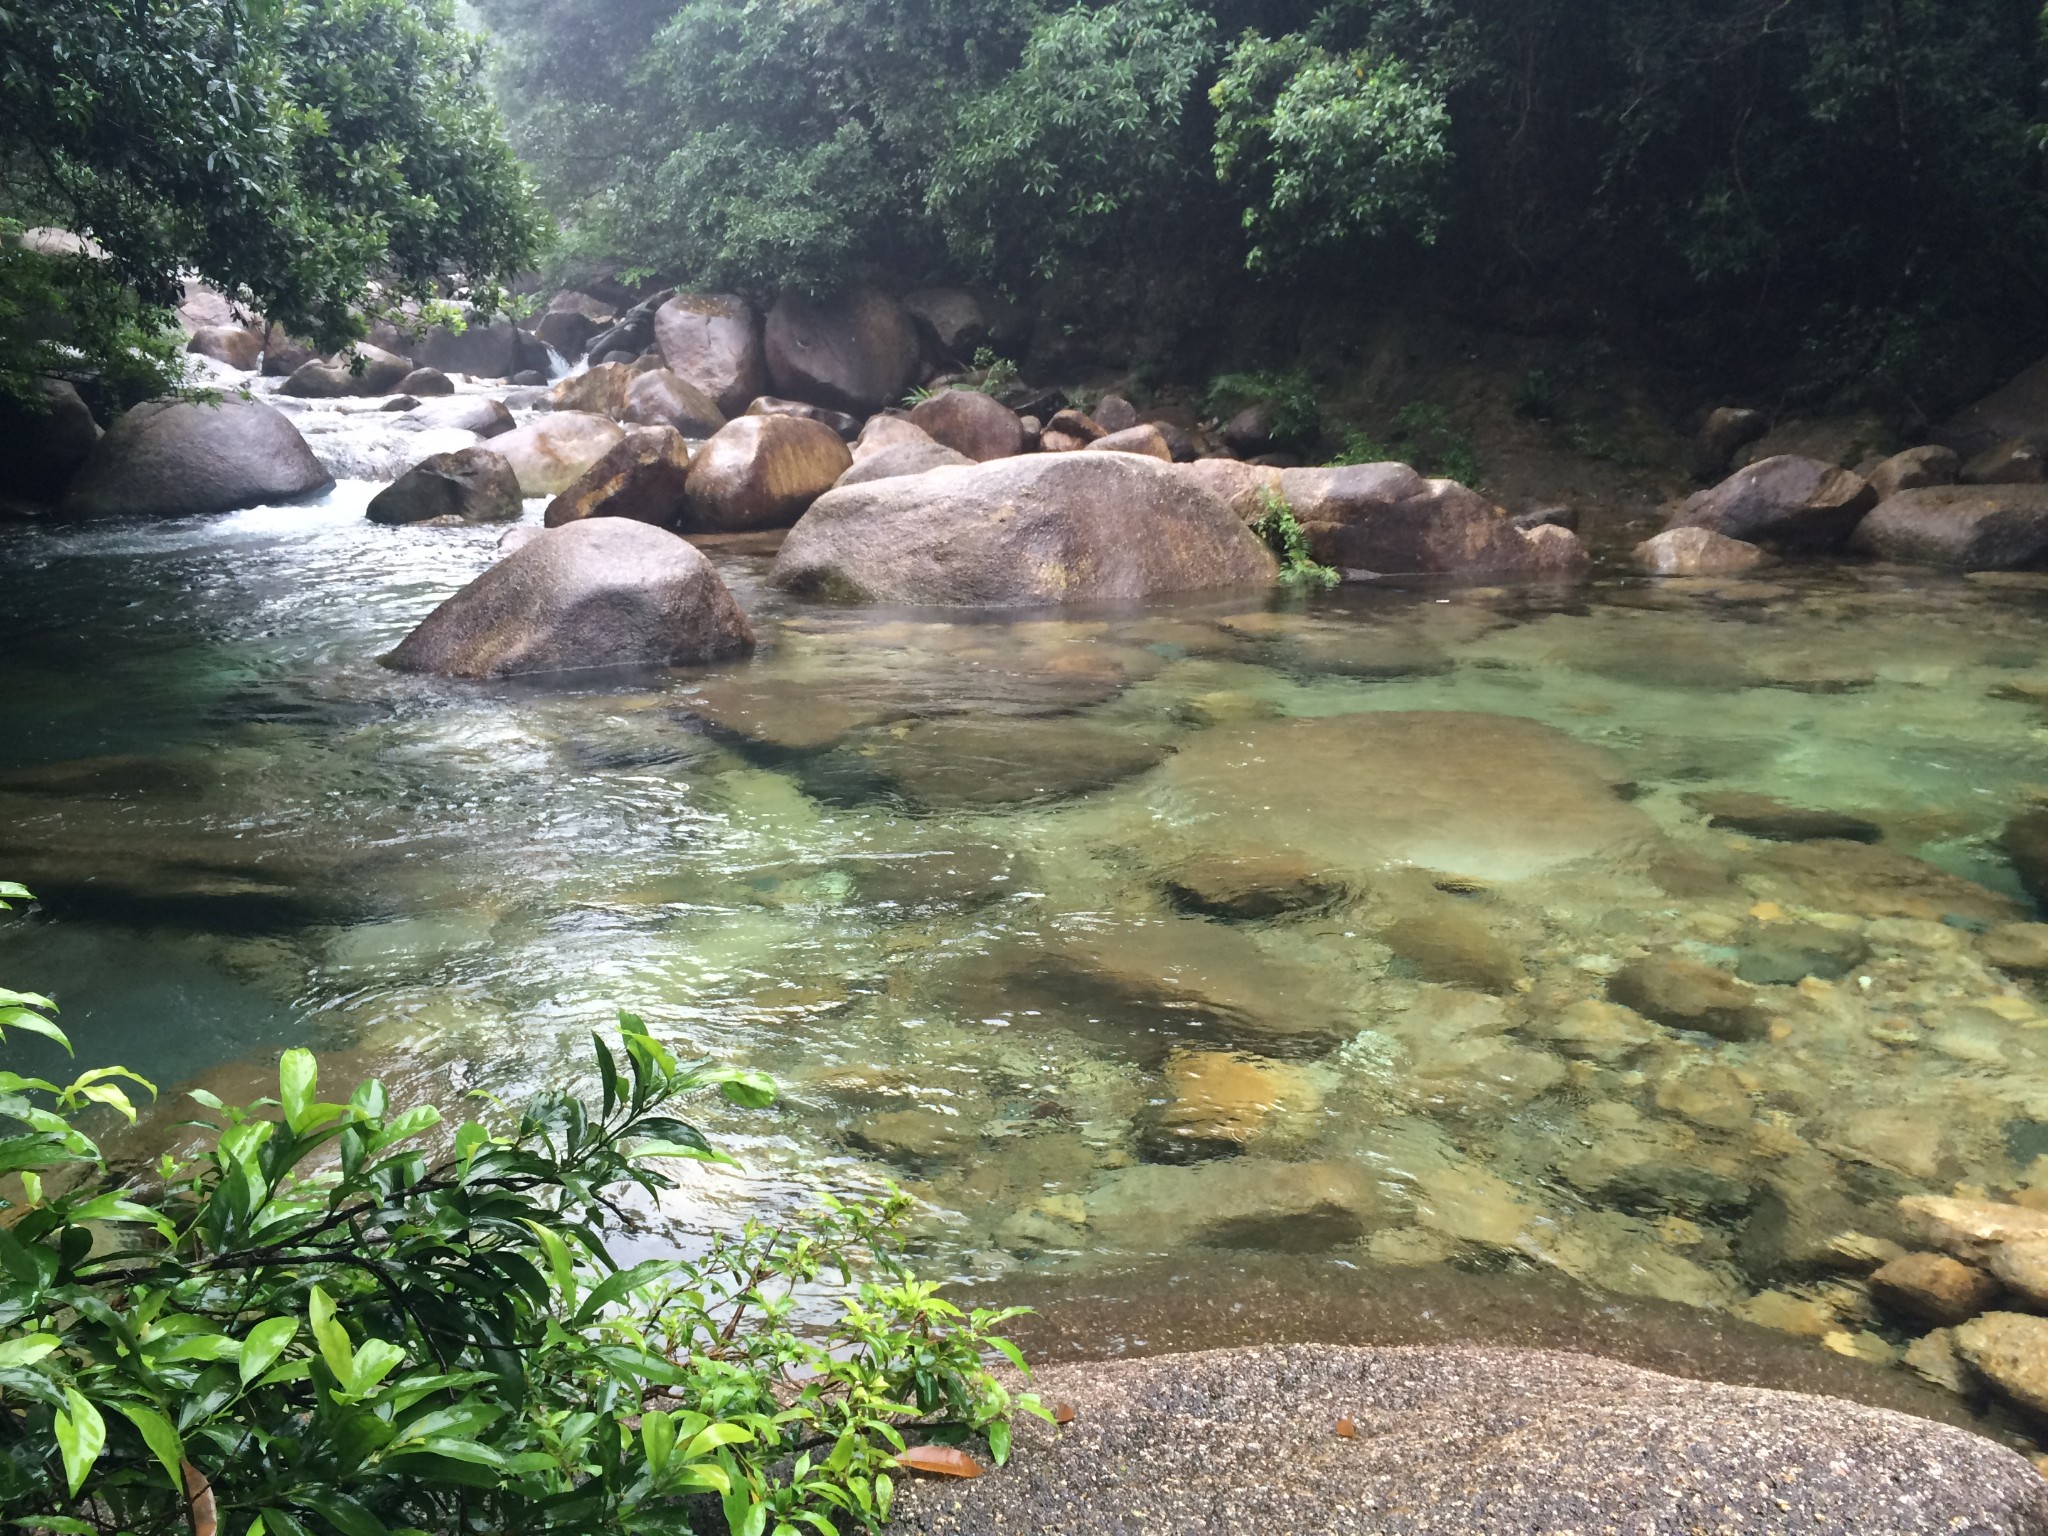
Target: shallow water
{"points": [[957, 883]]}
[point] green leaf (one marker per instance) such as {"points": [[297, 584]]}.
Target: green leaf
{"points": [[163, 1441], [27, 1349], [332, 1338], [81, 1436], [999, 1442], [297, 1075], [266, 1341], [750, 1090]]}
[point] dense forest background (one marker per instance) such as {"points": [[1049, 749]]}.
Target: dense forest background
{"points": [[1840, 199]]}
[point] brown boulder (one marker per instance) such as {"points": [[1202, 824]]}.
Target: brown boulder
{"points": [[550, 452], [1915, 469], [762, 472], [568, 331], [599, 390], [1024, 531], [1783, 503], [473, 484], [712, 341], [1114, 414], [1387, 519], [1934, 1288], [1148, 440], [1068, 430], [901, 459], [2009, 1350], [425, 382], [1696, 552], [846, 427], [660, 398], [1685, 994], [604, 592], [886, 431], [230, 344], [971, 423], [44, 440], [1971, 528], [952, 321], [365, 370], [855, 352], [643, 477], [2017, 461]]}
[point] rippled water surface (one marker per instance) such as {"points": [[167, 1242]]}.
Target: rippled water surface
{"points": [[1229, 925]]}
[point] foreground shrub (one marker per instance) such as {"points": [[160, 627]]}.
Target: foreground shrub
{"points": [[345, 1317]]}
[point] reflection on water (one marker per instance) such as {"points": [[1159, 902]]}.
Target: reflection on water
{"points": [[1203, 930]]}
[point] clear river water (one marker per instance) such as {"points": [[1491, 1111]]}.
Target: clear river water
{"points": [[1262, 926]]}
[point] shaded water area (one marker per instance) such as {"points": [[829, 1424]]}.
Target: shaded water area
{"points": [[1249, 930]]}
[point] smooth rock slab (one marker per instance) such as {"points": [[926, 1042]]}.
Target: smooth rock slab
{"points": [[1468, 1442], [602, 592]]}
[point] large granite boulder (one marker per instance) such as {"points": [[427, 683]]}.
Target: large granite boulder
{"points": [[643, 478], [1466, 1442], [1915, 469], [471, 413], [43, 444], [713, 342], [1389, 520], [2017, 410], [363, 370], [235, 345], [762, 472], [884, 432], [854, 352], [1968, 527], [1783, 503], [971, 423], [604, 592], [548, 453], [1696, 552], [599, 390], [952, 321], [661, 398], [906, 458], [179, 458], [472, 484], [483, 348], [1019, 532]]}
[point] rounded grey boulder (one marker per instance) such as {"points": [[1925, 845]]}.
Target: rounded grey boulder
{"points": [[179, 458], [604, 592], [1021, 532], [473, 484], [1467, 1442]]}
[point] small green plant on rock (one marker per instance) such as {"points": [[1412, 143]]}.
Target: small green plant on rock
{"points": [[1277, 527], [1290, 398], [344, 1318]]}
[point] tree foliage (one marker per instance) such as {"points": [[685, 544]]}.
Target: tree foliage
{"points": [[309, 157], [348, 1318]]}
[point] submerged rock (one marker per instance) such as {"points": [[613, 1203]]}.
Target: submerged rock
{"points": [[1783, 503], [1250, 887], [1837, 876], [1967, 527], [181, 458], [1934, 1288], [1017, 532], [1686, 994], [474, 485], [604, 592], [1245, 1202], [1460, 1441], [959, 762], [1772, 819], [1454, 948], [2025, 841], [1218, 1101], [2009, 1350]]}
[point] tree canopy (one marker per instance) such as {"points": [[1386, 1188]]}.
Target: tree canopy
{"points": [[1857, 177], [305, 156]]}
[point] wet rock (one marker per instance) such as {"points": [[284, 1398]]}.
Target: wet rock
{"points": [[643, 477], [1772, 819], [234, 345], [915, 1136], [1726, 429], [1934, 1360], [180, 458], [629, 337], [1915, 470], [1217, 1101], [904, 458], [2016, 461], [1566, 518], [1068, 430], [472, 485], [763, 472], [43, 443], [886, 431], [1696, 552], [2021, 1266], [1783, 503], [529, 379], [1034, 530], [1246, 487], [846, 428], [2025, 841], [568, 330], [1387, 519], [953, 875], [2010, 1351], [1147, 440], [1452, 947], [1971, 528], [1783, 954], [1597, 1031], [659, 398], [2021, 948], [1241, 1202], [366, 370], [1971, 1230], [1468, 1442], [1836, 876], [712, 341], [597, 391], [853, 352], [486, 347], [1803, 1226], [604, 592], [469, 413], [1490, 797], [970, 423], [1800, 1316], [1933, 1288], [422, 382], [962, 762], [1250, 888], [1682, 993], [1711, 1097], [551, 453]]}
